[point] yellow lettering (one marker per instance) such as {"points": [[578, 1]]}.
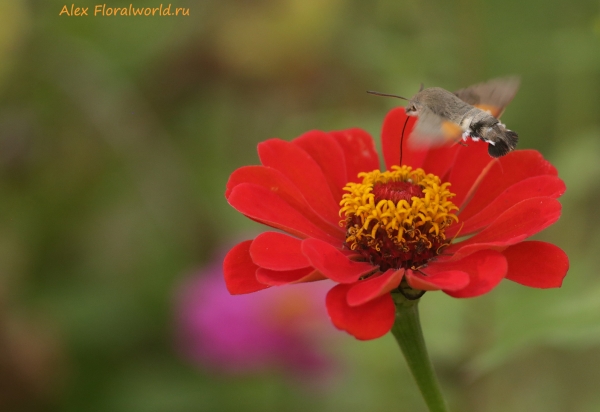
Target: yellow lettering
{"points": [[77, 11], [64, 10], [124, 12], [154, 10], [99, 9]]}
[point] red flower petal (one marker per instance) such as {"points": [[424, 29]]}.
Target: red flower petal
{"points": [[328, 154], [359, 152], [277, 251], [439, 160], [391, 134], [375, 286], [471, 161], [239, 270], [284, 277], [333, 263], [266, 207], [486, 269], [446, 280], [369, 321], [304, 172], [280, 185], [536, 264], [514, 225], [505, 172], [538, 186]]}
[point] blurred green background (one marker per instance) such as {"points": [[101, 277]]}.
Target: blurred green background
{"points": [[118, 134]]}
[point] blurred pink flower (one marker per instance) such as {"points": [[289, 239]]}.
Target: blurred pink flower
{"points": [[278, 328]]}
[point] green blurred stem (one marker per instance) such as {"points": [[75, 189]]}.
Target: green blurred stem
{"points": [[408, 333]]}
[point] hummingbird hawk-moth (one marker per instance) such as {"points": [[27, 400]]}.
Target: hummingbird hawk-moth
{"points": [[472, 112]]}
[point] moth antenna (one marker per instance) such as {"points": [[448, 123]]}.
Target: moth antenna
{"points": [[402, 140], [386, 95], [421, 88], [404, 127]]}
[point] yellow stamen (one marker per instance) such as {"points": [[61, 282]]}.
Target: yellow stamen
{"points": [[410, 226]]}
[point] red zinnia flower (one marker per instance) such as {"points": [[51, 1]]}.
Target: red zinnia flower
{"points": [[398, 227]]}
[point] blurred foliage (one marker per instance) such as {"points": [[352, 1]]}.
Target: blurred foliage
{"points": [[117, 136]]}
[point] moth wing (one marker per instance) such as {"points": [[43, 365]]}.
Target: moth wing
{"points": [[492, 96], [434, 130]]}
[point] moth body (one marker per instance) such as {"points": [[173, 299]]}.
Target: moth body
{"points": [[472, 112]]}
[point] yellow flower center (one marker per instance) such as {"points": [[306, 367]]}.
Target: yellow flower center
{"points": [[397, 218]]}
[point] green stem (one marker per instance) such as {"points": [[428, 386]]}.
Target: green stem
{"points": [[408, 333]]}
